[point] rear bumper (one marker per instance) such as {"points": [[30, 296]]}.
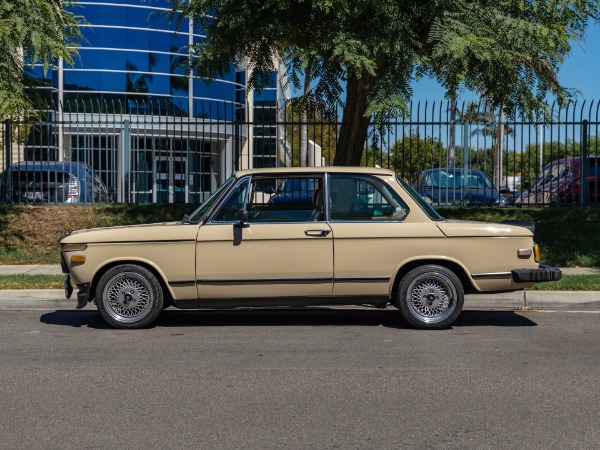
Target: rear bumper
{"points": [[543, 273]]}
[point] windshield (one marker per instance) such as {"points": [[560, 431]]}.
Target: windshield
{"points": [[455, 179], [201, 211], [432, 213], [554, 172]]}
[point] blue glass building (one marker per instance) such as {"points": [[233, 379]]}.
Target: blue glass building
{"points": [[128, 104]]}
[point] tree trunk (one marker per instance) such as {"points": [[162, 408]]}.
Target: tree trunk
{"points": [[355, 125]]}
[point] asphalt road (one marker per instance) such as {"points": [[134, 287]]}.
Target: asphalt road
{"points": [[355, 379]]}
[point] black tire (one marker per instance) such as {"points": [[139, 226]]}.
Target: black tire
{"points": [[430, 297], [129, 296]]}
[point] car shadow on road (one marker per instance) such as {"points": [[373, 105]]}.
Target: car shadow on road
{"points": [[390, 318]]}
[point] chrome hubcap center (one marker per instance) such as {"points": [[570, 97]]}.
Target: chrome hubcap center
{"points": [[430, 297]]}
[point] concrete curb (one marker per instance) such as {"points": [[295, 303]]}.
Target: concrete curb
{"points": [[52, 299]]}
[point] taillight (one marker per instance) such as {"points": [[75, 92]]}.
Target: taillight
{"points": [[73, 188]]}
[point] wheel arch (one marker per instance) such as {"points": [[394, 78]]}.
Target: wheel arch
{"points": [[168, 295], [454, 266]]}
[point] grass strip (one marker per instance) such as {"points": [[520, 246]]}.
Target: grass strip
{"points": [[23, 281], [571, 283], [567, 283]]}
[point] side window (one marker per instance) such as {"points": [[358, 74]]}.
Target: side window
{"points": [[286, 199], [235, 202], [361, 197]]}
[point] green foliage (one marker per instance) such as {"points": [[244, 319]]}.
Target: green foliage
{"points": [[510, 50], [412, 154], [320, 129], [554, 230], [31, 32], [28, 234]]}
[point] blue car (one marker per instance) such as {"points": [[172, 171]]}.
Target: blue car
{"points": [[450, 187], [297, 191], [53, 182]]}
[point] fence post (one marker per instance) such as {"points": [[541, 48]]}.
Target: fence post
{"points": [[7, 143], [123, 164], [7, 180], [465, 166], [583, 184]]}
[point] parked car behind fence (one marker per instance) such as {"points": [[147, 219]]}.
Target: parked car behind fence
{"points": [[448, 187], [560, 183], [53, 182]]}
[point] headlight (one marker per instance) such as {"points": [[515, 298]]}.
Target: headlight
{"points": [[73, 247]]}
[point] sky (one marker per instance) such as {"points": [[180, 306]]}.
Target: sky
{"points": [[581, 70]]}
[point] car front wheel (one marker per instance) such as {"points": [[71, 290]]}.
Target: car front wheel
{"points": [[430, 297], [129, 296]]}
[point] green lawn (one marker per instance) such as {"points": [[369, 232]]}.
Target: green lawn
{"points": [[32, 281], [571, 283]]}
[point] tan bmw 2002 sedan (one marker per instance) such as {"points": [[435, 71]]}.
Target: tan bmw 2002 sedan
{"points": [[302, 237]]}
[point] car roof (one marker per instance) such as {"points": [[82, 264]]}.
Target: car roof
{"points": [[448, 169], [316, 170], [71, 167]]}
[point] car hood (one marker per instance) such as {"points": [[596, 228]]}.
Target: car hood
{"points": [[167, 231], [461, 228]]}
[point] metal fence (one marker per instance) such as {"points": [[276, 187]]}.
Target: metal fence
{"points": [[464, 154]]}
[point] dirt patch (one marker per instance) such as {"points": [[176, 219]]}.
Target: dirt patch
{"points": [[43, 225]]}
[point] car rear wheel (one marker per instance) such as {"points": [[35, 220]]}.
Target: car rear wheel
{"points": [[430, 297], [129, 296]]}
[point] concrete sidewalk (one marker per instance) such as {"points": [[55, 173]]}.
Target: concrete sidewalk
{"points": [[52, 299]]}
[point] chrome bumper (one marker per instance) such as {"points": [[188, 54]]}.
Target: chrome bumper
{"points": [[543, 273]]}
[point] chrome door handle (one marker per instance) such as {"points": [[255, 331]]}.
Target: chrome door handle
{"points": [[317, 233]]}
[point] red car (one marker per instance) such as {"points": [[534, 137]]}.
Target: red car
{"points": [[560, 183]]}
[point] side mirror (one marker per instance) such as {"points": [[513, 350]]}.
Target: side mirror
{"points": [[242, 216]]}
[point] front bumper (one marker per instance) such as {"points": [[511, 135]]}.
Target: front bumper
{"points": [[83, 295], [543, 273]]}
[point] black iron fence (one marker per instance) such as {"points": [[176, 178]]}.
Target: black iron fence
{"points": [[152, 153]]}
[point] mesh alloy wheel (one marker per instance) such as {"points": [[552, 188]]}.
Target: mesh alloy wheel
{"points": [[430, 297], [129, 296]]}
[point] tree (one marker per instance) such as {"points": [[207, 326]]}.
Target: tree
{"points": [[482, 116], [412, 154], [31, 32], [308, 124], [370, 50]]}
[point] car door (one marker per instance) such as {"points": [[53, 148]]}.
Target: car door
{"points": [[370, 235], [282, 249]]}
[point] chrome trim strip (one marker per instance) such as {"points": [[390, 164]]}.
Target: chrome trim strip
{"points": [[296, 280], [266, 280], [492, 275], [165, 241], [183, 283], [362, 280]]}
